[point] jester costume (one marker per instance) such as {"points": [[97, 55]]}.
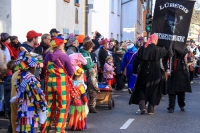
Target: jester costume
{"points": [[30, 98], [78, 116], [57, 80]]}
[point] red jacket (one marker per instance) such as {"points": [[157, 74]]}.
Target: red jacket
{"points": [[15, 51]]}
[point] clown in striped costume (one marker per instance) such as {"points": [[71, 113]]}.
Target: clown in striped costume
{"points": [[58, 85]]}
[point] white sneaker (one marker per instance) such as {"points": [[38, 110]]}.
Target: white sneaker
{"points": [[191, 82]]}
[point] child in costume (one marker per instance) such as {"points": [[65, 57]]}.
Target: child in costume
{"points": [[30, 99], [93, 90], [78, 108], [109, 71]]}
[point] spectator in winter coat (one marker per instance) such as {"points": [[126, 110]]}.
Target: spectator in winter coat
{"points": [[190, 63], [117, 58], [195, 50], [42, 49], [54, 33], [109, 73], [72, 46], [123, 47], [7, 93], [102, 55], [32, 40], [97, 36], [14, 46], [2, 66], [87, 48], [44, 45], [4, 45]]}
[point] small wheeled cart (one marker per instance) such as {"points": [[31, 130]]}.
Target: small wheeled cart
{"points": [[105, 96]]}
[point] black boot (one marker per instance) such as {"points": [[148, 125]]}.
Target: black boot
{"points": [[171, 110], [183, 109]]}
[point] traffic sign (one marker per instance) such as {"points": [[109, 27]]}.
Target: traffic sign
{"points": [[128, 29]]}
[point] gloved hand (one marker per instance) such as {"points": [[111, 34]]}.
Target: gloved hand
{"points": [[42, 116], [13, 99]]}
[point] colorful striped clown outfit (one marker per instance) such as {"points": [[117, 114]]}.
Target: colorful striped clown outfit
{"points": [[78, 113], [59, 70], [30, 98]]}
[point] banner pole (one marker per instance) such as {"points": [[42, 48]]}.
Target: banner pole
{"points": [[170, 64]]}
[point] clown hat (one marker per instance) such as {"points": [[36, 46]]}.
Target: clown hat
{"points": [[78, 71], [57, 41]]}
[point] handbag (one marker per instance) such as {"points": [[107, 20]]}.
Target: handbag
{"points": [[124, 72]]}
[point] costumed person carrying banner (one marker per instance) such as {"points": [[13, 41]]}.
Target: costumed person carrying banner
{"points": [[178, 81], [59, 73], [171, 21], [148, 87], [29, 99]]}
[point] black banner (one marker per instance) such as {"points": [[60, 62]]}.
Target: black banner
{"points": [[171, 22]]}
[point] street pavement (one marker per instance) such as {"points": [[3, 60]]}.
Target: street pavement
{"points": [[110, 121]]}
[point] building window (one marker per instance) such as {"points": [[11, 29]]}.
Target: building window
{"points": [[112, 6], [67, 1], [190, 34], [76, 32], [111, 35], [76, 16], [118, 8], [76, 3], [117, 37], [65, 31]]}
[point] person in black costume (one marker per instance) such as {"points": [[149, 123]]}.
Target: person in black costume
{"points": [[149, 85], [178, 81]]}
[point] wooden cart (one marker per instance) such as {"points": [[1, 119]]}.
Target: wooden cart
{"points": [[105, 97]]}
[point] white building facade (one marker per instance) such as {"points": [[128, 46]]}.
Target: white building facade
{"points": [[17, 17], [132, 19], [105, 18]]}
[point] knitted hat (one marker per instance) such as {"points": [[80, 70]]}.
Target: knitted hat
{"points": [[27, 60], [104, 41], [80, 38], [4, 37], [78, 71], [57, 41], [71, 41]]}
